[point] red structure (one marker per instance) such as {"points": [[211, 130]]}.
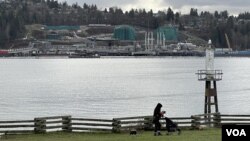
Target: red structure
{"points": [[4, 53]]}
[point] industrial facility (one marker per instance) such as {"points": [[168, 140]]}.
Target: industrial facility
{"points": [[105, 40]]}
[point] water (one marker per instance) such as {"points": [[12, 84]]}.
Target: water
{"points": [[117, 87]]}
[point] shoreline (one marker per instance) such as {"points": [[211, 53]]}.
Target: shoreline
{"points": [[102, 57], [114, 57]]}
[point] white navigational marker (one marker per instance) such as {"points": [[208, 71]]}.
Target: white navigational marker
{"points": [[210, 60], [210, 76]]}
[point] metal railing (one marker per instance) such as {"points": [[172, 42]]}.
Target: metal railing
{"points": [[209, 75]]}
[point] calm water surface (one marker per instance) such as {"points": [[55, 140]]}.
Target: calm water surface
{"points": [[117, 87]]}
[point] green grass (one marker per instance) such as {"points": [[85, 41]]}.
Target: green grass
{"points": [[186, 135]]}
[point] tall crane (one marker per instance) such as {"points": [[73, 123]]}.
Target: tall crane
{"points": [[228, 43]]}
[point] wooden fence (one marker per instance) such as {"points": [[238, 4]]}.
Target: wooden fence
{"points": [[20, 126], [86, 125], [145, 123], [69, 124], [209, 120], [217, 120], [234, 119]]}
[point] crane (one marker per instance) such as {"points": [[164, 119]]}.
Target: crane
{"points": [[228, 43]]}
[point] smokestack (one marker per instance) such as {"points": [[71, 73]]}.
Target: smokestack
{"points": [[157, 38], [164, 40], [146, 40], [152, 40]]}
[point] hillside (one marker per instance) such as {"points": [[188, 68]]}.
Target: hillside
{"points": [[14, 15]]}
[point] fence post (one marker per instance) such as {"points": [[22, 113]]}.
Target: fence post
{"points": [[148, 123], [217, 120], [66, 123], [208, 117], [195, 122], [116, 126], [40, 125]]}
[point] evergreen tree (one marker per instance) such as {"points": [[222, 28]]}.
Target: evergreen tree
{"points": [[170, 15], [193, 12]]}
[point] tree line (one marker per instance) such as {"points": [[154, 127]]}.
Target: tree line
{"points": [[15, 14]]}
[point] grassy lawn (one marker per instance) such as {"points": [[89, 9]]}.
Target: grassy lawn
{"points": [[186, 135]]}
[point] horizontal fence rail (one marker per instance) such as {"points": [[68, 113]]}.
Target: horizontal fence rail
{"points": [[86, 125], [116, 125], [50, 124], [17, 127], [235, 119], [209, 120], [146, 122]]}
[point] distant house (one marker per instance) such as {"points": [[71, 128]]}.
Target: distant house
{"points": [[241, 21]]}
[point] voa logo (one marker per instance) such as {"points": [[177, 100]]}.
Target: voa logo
{"points": [[236, 132]]}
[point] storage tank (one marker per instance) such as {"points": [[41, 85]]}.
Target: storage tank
{"points": [[124, 32], [170, 33]]}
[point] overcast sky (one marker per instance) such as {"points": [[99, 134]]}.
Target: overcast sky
{"points": [[183, 6]]}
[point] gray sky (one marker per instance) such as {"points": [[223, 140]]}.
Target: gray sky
{"points": [[183, 6]]}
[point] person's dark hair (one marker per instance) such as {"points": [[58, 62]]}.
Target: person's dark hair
{"points": [[157, 109]]}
